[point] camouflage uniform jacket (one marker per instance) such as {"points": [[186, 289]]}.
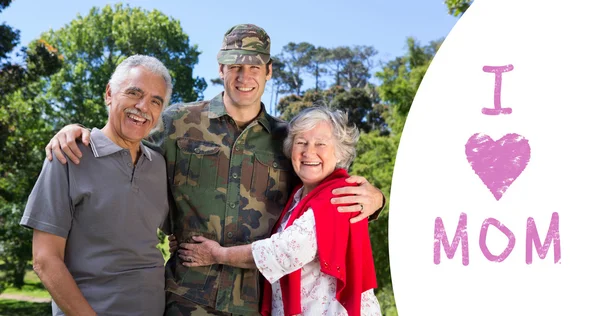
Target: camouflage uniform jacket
{"points": [[227, 184]]}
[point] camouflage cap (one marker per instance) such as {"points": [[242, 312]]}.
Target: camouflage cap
{"points": [[245, 44]]}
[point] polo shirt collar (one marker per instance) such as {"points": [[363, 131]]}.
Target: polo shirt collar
{"points": [[102, 145], [216, 109]]}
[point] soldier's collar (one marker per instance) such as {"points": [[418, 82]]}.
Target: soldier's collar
{"points": [[217, 109]]}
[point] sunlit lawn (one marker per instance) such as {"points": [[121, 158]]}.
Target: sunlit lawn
{"points": [[32, 288]]}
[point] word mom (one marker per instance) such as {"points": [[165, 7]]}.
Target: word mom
{"points": [[461, 236]]}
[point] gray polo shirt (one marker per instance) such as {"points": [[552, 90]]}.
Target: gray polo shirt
{"points": [[108, 210]]}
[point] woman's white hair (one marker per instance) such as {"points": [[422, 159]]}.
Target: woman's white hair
{"points": [[150, 63], [345, 135]]}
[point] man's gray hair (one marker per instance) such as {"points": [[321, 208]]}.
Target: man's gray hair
{"points": [[150, 63], [345, 135]]}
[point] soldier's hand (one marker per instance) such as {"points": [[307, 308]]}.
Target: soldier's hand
{"points": [[202, 253], [172, 244], [364, 198], [64, 143]]}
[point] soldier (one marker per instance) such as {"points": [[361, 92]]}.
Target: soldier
{"points": [[228, 176]]}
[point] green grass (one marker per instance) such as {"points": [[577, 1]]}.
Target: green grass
{"points": [[22, 308], [33, 287]]}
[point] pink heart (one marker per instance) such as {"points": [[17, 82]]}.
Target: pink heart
{"points": [[498, 163]]}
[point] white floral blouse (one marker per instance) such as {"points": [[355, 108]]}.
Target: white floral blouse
{"points": [[296, 247]]}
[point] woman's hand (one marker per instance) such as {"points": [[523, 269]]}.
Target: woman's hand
{"points": [[203, 253]]}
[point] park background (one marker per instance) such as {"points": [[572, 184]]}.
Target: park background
{"points": [[367, 58]]}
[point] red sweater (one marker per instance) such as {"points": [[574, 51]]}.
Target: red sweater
{"points": [[344, 250]]}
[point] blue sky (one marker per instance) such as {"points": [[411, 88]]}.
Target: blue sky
{"points": [[382, 24]]}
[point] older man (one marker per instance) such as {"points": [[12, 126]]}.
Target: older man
{"points": [[94, 238], [228, 176]]}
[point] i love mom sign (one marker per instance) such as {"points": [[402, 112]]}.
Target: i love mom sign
{"points": [[495, 206]]}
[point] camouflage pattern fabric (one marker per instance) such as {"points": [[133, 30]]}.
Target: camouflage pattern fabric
{"points": [[245, 44], [229, 185], [179, 306]]}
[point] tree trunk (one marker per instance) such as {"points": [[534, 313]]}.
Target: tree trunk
{"points": [[317, 78]]}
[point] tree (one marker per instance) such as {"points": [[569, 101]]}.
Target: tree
{"points": [[296, 58], [458, 7], [357, 71], [351, 67], [337, 59], [20, 130], [282, 81], [402, 76], [95, 44], [11, 75], [315, 66], [357, 103]]}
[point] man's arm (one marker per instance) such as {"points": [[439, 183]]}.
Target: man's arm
{"points": [[48, 263], [364, 198], [65, 141]]}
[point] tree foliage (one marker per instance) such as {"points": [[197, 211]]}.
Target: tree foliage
{"points": [[402, 76], [457, 7], [22, 131], [349, 67], [296, 58], [95, 44]]}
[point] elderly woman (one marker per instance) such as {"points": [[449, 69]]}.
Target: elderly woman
{"points": [[316, 262]]}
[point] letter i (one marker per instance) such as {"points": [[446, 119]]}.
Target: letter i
{"points": [[498, 109]]}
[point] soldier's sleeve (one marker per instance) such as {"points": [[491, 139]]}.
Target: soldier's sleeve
{"points": [[375, 215]]}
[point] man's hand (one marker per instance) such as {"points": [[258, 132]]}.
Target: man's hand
{"points": [[364, 198], [203, 253], [65, 141]]}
